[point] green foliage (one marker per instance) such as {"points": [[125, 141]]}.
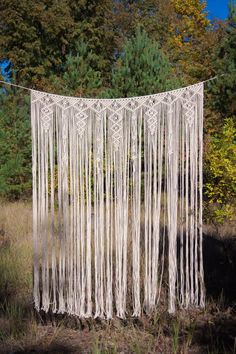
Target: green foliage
{"points": [[220, 166], [220, 170], [36, 36], [153, 15], [90, 48], [15, 146], [180, 27], [79, 77], [224, 89], [94, 25], [141, 69], [176, 325]]}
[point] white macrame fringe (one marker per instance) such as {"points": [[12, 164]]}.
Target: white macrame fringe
{"points": [[116, 183]]}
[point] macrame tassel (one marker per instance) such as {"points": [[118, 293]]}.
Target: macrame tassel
{"points": [[136, 143], [109, 229], [53, 236], [99, 214], [98, 166], [200, 171], [172, 152], [35, 149], [119, 156], [63, 207], [153, 190], [88, 234]]}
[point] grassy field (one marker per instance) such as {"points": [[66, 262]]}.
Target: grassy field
{"points": [[22, 330]]}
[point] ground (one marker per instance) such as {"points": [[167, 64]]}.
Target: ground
{"points": [[22, 330]]}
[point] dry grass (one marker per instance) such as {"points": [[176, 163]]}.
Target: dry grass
{"points": [[23, 331], [16, 249]]}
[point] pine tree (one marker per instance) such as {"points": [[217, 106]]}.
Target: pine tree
{"points": [[224, 89], [15, 145], [94, 24], [181, 28], [35, 37], [141, 69], [79, 77]]}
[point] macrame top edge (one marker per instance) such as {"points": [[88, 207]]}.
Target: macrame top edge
{"points": [[124, 99]]}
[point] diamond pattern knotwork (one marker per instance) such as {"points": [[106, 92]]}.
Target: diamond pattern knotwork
{"points": [[116, 127], [152, 120], [46, 115], [189, 110], [81, 122], [64, 103]]}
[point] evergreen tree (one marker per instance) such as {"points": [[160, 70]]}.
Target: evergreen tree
{"points": [[15, 145], [141, 69], [153, 15], [181, 28], [224, 88], [80, 78], [36, 36], [94, 24]]}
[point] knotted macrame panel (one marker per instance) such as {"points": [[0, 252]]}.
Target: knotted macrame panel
{"points": [[117, 203]]}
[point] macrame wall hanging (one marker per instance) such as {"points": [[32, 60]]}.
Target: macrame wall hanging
{"points": [[117, 203]]}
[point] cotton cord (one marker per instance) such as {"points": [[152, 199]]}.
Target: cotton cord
{"points": [[30, 89], [117, 202]]}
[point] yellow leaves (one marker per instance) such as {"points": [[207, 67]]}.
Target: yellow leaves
{"points": [[176, 41], [221, 172], [191, 8], [190, 17], [187, 40]]}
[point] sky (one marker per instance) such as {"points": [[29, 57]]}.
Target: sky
{"points": [[217, 8]]}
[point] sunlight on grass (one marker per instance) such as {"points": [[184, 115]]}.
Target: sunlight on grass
{"points": [[21, 328]]}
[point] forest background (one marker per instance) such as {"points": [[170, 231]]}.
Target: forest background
{"points": [[119, 49]]}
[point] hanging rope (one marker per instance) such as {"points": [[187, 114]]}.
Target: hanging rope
{"points": [[117, 182], [30, 89], [117, 194]]}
